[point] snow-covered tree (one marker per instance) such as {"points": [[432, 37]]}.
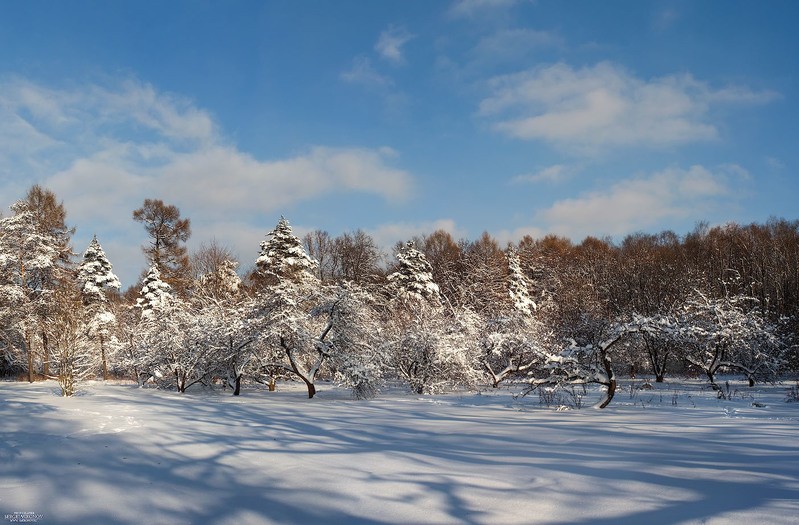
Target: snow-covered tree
{"points": [[224, 282], [433, 349], [168, 235], [177, 345], [155, 294], [29, 256], [305, 328], [282, 256], [590, 360], [728, 333], [95, 274], [513, 345], [518, 288], [413, 279], [74, 356]]}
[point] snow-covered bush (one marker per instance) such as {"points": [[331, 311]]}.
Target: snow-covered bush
{"points": [[433, 349], [513, 345]]}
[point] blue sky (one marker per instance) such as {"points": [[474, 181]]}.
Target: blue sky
{"points": [[400, 117]]}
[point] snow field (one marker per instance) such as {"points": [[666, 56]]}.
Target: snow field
{"points": [[120, 454]]}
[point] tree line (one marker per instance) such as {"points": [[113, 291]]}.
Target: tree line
{"points": [[438, 314]]}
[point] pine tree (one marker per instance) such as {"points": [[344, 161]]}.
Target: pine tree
{"points": [[168, 235], [282, 256], [28, 261], [517, 284], [155, 293], [96, 273], [414, 277]]}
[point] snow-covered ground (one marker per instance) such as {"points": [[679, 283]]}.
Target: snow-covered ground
{"points": [[119, 454]]}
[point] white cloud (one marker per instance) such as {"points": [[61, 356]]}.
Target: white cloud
{"points": [[389, 44], [103, 149], [552, 174], [387, 235], [508, 45], [364, 74], [666, 18], [472, 8], [644, 202], [604, 105]]}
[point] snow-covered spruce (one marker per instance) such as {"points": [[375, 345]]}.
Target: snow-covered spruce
{"points": [[28, 258], [414, 277], [518, 287], [96, 273], [283, 257], [154, 293]]}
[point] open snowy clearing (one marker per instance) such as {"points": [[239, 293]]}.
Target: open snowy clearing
{"points": [[120, 454]]}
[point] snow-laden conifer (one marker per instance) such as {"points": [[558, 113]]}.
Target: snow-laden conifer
{"points": [[223, 282], [96, 273], [517, 284], [155, 293], [283, 256], [414, 277]]}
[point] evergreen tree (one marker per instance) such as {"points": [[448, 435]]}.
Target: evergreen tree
{"points": [[155, 294], [96, 273], [168, 235], [222, 282], [414, 277], [517, 284], [282, 256], [28, 262]]}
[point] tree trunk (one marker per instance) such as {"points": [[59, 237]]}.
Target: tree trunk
{"points": [[311, 388], [609, 396], [45, 355], [105, 361], [237, 388], [272, 384], [712, 378], [604, 355], [27, 344], [659, 378]]}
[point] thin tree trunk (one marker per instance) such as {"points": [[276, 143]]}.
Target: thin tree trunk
{"points": [[105, 361], [237, 388], [45, 355], [27, 344]]}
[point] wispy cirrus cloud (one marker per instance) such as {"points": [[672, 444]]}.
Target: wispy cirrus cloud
{"points": [[472, 8], [390, 43], [552, 174], [363, 73], [583, 109]]}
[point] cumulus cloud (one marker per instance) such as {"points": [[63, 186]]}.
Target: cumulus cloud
{"points": [[387, 235], [604, 106], [644, 202], [103, 149], [389, 44]]}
